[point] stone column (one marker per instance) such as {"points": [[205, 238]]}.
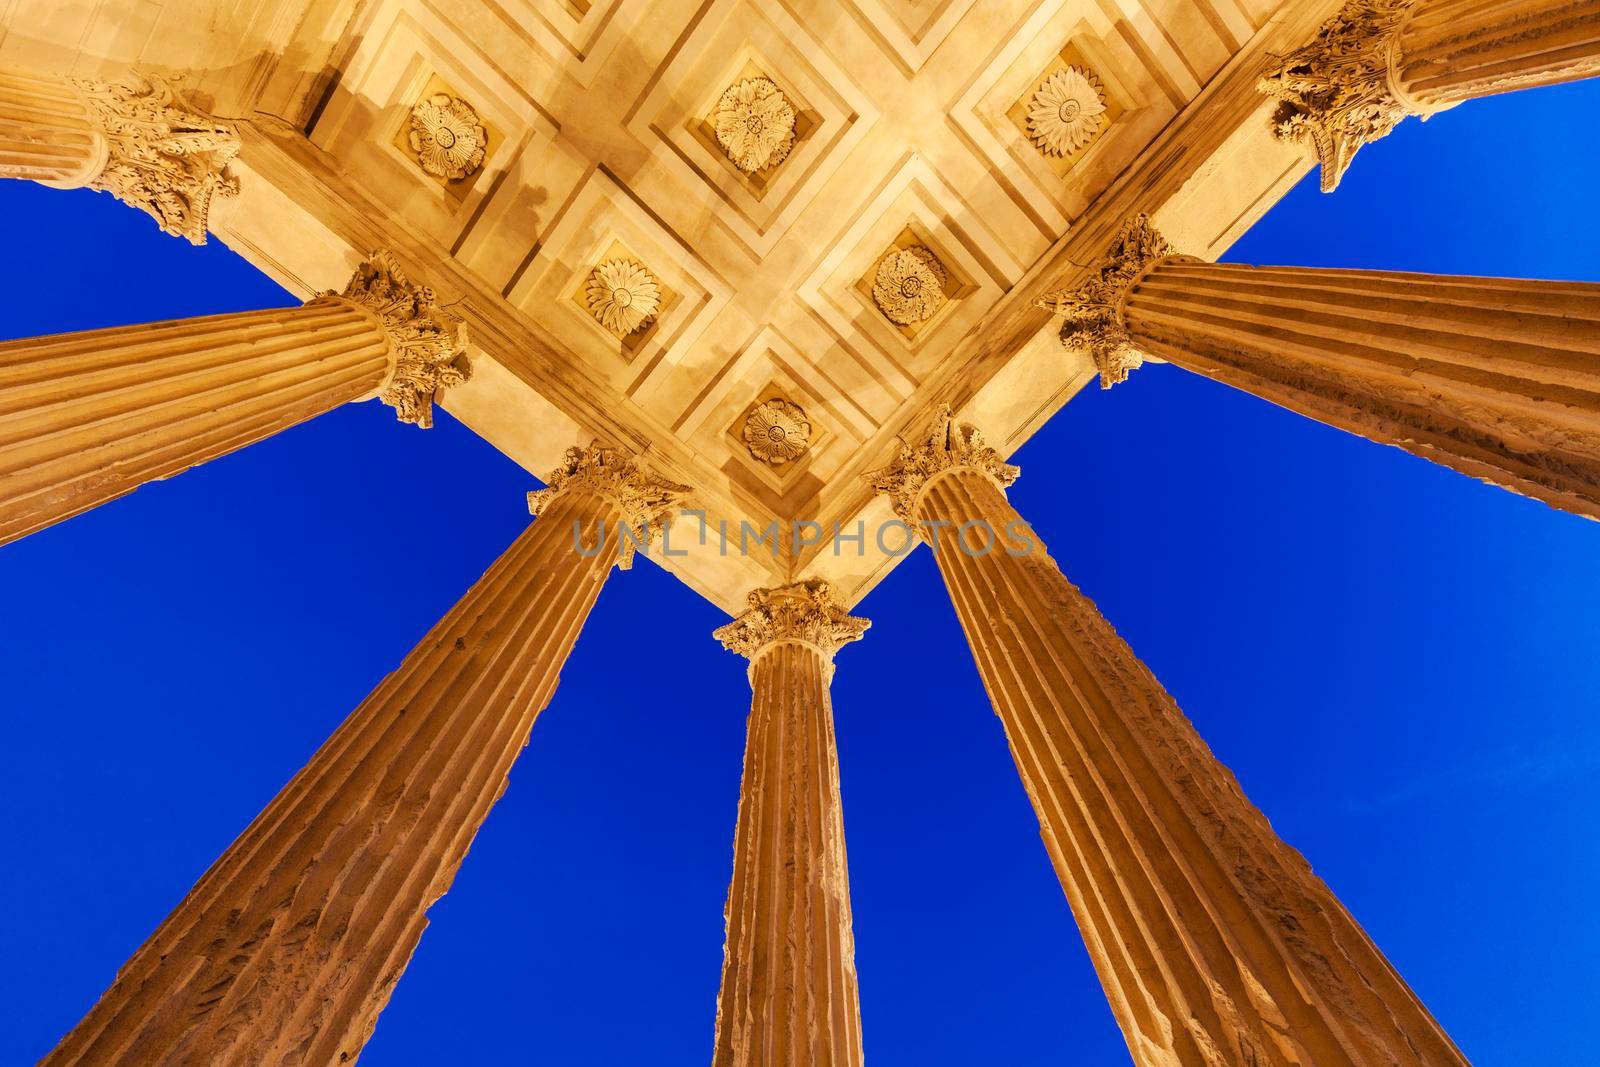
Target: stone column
{"points": [[87, 417], [788, 977], [1378, 61], [287, 949], [136, 139], [1496, 378], [1214, 940]]}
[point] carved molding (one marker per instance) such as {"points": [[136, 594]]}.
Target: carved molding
{"points": [[622, 295], [427, 345], [163, 157], [754, 124], [646, 501], [1093, 311], [1341, 91], [948, 445], [447, 137], [805, 612], [1066, 111], [908, 285], [777, 432]]}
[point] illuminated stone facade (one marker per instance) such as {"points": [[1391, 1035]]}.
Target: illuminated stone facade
{"points": [[778, 269]]}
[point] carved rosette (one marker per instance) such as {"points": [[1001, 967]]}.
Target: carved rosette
{"points": [[805, 612], [777, 432], [162, 156], [754, 124], [1340, 91], [646, 501], [908, 286], [427, 345], [622, 295], [1066, 111], [447, 137], [1093, 311], [947, 446]]}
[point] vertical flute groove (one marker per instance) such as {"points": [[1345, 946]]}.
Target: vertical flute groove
{"points": [[287, 948], [1496, 378], [1455, 50], [789, 996], [90, 417], [1214, 940]]}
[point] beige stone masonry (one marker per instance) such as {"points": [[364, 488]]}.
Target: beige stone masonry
{"points": [[287, 949], [87, 417], [1214, 940], [135, 138], [789, 994], [1497, 378], [1377, 61]]}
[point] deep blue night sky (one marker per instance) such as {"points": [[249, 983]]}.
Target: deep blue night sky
{"points": [[1399, 663]]}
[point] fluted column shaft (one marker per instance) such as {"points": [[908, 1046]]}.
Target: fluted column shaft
{"points": [[1496, 378], [288, 947], [1448, 51], [1215, 942], [47, 133], [85, 418], [88, 417], [789, 996]]}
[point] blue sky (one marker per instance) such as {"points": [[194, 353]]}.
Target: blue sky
{"points": [[1400, 665]]}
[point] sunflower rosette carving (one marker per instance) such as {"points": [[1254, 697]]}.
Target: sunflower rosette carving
{"points": [[622, 295], [447, 136], [777, 432], [754, 124], [908, 286], [1066, 111]]}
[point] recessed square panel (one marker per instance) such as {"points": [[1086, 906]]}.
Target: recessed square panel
{"points": [[408, 77], [579, 35], [604, 225], [910, 30], [1058, 112], [733, 43], [915, 209]]}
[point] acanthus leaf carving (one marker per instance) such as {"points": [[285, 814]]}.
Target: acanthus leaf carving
{"points": [[908, 285], [804, 612], [1340, 91], [646, 501], [1093, 311], [777, 432], [427, 344], [754, 124], [447, 136], [948, 445], [162, 156]]}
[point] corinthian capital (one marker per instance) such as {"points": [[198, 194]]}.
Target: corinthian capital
{"points": [[1341, 91], [805, 612], [947, 445], [1093, 311], [646, 501], [427, 345], [161, 156]]}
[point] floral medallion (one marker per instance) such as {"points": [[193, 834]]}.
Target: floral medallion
{"points": [[777, 432], [622, 295], [909, 285], [447, 136], [754, 123], [1066, 111]]}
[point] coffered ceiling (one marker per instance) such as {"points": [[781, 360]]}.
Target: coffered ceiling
{"points": [[753, 239]]}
